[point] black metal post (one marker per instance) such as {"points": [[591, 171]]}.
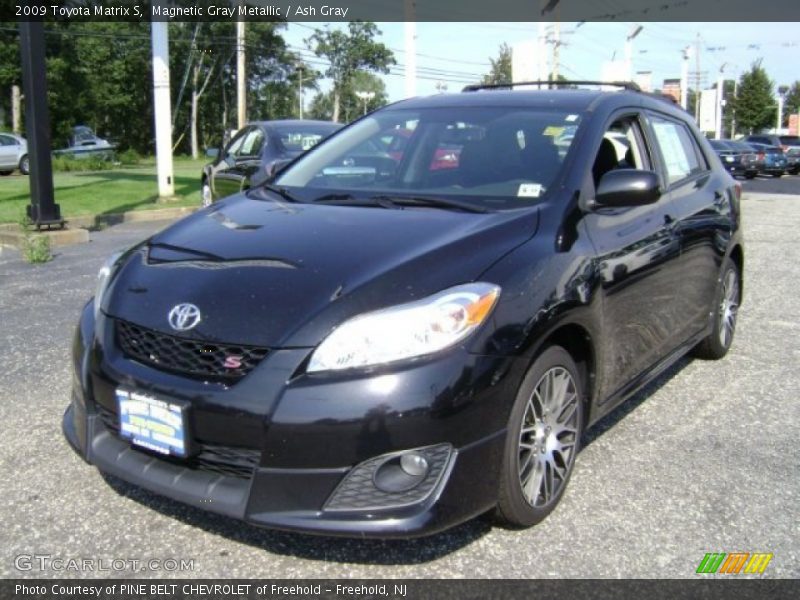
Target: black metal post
{"points": [[43, 210]]}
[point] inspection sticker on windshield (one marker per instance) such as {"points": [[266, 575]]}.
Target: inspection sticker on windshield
{"points": [[529, 190]]}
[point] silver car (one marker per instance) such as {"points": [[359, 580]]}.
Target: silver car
{"points": [[13, 154]]}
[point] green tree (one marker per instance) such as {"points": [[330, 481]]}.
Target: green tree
{"points": [[500, 71], [351, 106], [754, 103], [791, 103], [348, 53]]}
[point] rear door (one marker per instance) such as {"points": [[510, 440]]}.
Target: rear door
{"points": [[700, 200]]}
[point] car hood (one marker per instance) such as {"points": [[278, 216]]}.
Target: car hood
{"points": [[284, 275]]}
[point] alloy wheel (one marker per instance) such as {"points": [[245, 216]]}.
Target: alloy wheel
{"points": [[728, 307], [206, 195], [548, 438]]}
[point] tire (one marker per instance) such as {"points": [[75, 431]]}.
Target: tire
{"points": [[750, 175], [777, 173], [206, 197], [24, 165], [532, 457], [5, 173], [726, 307]]}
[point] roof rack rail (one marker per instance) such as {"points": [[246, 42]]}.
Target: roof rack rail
{"points": [[628, 85]]}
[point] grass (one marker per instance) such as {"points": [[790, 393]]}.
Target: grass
{"points": [[105, 192]]}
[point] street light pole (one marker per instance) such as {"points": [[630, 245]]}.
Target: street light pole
{"points": [[366, 97]]}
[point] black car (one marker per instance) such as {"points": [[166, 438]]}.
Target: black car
{"points": [[784, 141], [736, 159], [253, 154], [390, 349]]}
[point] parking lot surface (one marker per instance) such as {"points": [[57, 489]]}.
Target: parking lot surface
{"points": [[704, 460]]}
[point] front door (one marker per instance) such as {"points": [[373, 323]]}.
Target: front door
{"points": [[638, 254]]}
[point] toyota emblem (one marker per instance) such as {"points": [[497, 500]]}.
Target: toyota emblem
{"points": [[184, 317]]}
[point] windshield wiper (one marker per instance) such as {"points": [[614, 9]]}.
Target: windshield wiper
{"points": [[282, 192], [430, 201], [351, 200]]}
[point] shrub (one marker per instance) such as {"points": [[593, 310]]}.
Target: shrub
{"points": [[34, 248], [129, 157], [66, 163]]}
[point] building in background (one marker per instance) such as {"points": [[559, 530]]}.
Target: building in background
{"points": [[672, 87]]}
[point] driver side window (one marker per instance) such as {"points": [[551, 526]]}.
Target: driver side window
{"points": [[621, 148]]}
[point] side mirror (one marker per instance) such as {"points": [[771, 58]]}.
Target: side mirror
{"points": [[212, 152], [628, 187], [277, 166]]}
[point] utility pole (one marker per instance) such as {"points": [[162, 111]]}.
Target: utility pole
{"points": [[16, 112], [733, 112], [556, 50], [687, 53], [300, 87], [697, 79], [241, 77], [720, 101], [636, 30], [410, 10], [162, 107], [42, 210]]}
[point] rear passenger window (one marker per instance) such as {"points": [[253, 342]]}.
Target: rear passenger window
{"points": [[682, 157]]}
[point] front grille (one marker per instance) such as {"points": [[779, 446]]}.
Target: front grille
{"points": [[230, 461], [196, 358]]}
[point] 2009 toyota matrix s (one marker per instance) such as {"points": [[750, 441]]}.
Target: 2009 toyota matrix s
{"points": [[388, 342]]}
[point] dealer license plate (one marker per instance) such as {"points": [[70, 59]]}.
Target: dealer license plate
{"points": [[152, 423]]}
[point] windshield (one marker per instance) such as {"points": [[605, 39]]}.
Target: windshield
{"points": [[488, 156]]}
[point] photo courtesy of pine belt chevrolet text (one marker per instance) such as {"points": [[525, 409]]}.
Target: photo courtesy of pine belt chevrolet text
{"points": [[413, 323]]}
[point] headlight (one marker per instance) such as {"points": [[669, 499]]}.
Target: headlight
{"points": [[407, 330], [103, 277]]}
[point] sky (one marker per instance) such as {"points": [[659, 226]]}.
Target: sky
{"points": [[458, 53]]}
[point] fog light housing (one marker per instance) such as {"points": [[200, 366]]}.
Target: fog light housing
{"points": [[393, 480], [401, 473]]}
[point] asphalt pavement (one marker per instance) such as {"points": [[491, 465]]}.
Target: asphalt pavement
{"points": [[704, 460]]}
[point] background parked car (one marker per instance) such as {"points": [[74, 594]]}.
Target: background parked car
{"points": [[253, 154], [793, 160], [775, 162], [784, 141], [13, 154], [737, 159]]}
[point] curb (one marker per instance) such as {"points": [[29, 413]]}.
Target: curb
{"points": [[77, 231]]}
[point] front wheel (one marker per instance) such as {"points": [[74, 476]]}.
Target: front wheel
{"points": [[24, 165], [543, 435], [205, 194], [726, 309]]}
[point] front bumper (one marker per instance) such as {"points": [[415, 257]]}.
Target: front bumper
{"points": [[308, 435]]}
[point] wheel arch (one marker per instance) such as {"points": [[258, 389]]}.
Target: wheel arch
{"points": [[578, 343]]}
